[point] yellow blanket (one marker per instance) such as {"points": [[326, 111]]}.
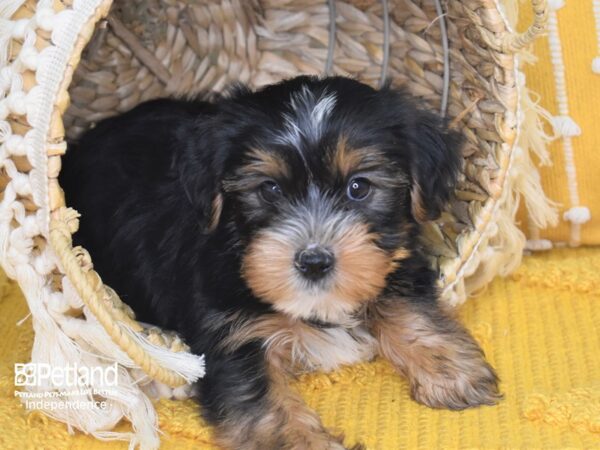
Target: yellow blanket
{"points": [[540, 329]]}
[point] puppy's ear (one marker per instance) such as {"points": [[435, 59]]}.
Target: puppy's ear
{"points": [[200, 171], [435, 162]]}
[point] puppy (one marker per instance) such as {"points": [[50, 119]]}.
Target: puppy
{"points": [[277, 231]]}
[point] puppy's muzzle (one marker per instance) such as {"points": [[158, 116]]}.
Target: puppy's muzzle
{"points": [[314, 263]]}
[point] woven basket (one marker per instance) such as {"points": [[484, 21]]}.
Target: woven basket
{"points": [[462, 63]]}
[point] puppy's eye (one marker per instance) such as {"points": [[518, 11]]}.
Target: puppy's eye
{"points": [[358, 189], [270, 191]]}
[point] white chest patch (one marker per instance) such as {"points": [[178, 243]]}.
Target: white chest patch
{"points": [[329, 348]]}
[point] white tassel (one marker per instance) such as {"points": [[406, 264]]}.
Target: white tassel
{"points": [[555, 5], [15, 145], [578, 215], [30, 57], [596, 65], [538, 245], [16, 103], [565, 126], [45, 18], [19, 28]]}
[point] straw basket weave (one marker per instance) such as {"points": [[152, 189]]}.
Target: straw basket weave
{"points": [[67, 64]]}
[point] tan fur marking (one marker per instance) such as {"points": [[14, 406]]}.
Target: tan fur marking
{"points": [[362, 267], [267, 268], [419, 210], [347, 160], [359, 275], [266, 163], [305, 347], [444, 365], [287, 422], [217, 207], [299, 426], [401, 254]]}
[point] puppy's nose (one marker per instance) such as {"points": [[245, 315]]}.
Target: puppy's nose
{"points": [[314, 263]]}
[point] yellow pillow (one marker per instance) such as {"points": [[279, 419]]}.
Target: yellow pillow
{"points": [[567, 77]]}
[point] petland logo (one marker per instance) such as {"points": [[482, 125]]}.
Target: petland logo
{"points": [[32, 374]]}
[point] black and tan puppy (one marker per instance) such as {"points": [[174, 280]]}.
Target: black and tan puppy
{"points": [[277, 231]]}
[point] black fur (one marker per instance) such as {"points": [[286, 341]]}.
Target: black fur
{"points": [[145, 181]]}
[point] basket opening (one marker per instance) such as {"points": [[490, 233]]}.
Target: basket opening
{"points": [[162, 48]]}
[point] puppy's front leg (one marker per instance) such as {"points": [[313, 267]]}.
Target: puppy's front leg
{"points": [[245, 395], [444, 365]]}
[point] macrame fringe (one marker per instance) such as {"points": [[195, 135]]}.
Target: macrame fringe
{"points": [[53, 346], [503, 245], [533, 142]]}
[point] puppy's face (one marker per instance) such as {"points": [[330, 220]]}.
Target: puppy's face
{"points": [[323, 188], [326, 230]]}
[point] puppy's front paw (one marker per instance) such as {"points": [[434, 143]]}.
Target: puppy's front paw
{"points": [[459, 383], [444, 364]]}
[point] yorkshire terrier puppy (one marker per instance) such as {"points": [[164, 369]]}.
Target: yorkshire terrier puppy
{"points": [[278, 232]]}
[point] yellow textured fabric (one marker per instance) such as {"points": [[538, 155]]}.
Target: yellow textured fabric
{"points": [[540, 329], [579, 36]]}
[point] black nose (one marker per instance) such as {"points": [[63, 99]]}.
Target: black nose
{"points": [[314, 263]]}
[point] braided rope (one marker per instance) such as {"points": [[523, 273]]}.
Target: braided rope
{"points": [[90, 289], [514, 43]]}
